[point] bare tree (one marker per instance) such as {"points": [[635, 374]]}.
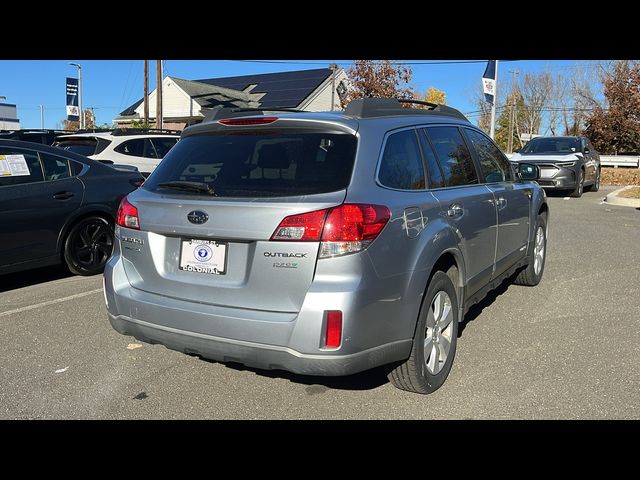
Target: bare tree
{"points": [[536, 90]]}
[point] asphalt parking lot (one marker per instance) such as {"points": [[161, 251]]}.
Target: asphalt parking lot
{"points": [[567, 349]]}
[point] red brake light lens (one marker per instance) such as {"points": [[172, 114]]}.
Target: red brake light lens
{"points": [[354, 222], [248, 121], [127, 215], [306, 227]]}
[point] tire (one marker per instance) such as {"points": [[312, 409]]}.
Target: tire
{"points": [[425, 375], [88, 246], [532, 274], [577, 192], [596, 185]]}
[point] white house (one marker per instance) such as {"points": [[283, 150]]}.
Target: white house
{"points": [[186, 102], [9, 117]]}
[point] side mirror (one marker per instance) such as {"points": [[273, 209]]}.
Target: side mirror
{"points": [[528, 171], [586, 150], [517, 150]]}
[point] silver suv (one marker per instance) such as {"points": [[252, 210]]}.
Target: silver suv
{"points": [[325, 243]]}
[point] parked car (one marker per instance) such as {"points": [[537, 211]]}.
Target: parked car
{"points": [[566, 163], [325, 243], [56, 207], [141, 148], [43, 136]]}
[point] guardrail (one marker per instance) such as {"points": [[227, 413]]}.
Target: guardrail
{"points": [[620, 161]]}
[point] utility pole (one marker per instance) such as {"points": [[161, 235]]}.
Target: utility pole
{"points": [[492, 132], [333, 68], [42, 117], [158, 93], [512, 106], [146, 92]]}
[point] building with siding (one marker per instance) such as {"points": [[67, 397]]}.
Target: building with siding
{"points": [[187, 102], [9, 117]]}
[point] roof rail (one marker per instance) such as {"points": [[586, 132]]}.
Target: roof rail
{"points": [[226, 112], [380, 107], [116, 132]]}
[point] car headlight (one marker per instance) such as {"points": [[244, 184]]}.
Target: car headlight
{"points": [[566, 164]]}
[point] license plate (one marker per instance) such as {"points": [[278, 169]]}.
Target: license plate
{"points": [[203, 256]]}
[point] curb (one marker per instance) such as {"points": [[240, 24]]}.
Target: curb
{"points": [[614, 199]]}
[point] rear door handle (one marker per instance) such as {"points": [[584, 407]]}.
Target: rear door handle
{"points": [[63, 195], [455, 210]]}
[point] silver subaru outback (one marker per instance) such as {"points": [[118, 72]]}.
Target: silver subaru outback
{"points": [[325, 243]]}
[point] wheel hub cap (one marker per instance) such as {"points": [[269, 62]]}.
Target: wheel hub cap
{"points": [[437, 342]]}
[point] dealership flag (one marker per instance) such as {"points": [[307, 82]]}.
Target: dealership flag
{"points": [[489, 81], [73, 112]]}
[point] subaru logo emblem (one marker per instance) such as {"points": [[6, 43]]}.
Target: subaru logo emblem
{"points": [[198, 217]]}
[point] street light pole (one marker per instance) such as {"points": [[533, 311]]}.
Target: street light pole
{"points": [[79, 92]]}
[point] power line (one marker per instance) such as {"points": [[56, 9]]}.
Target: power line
{"points": [[436, 62]]}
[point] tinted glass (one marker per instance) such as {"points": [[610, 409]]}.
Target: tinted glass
{"points": [[433, 167], [11, 163], [83, 146], [401, 164], [163, 145], [135, 148], [55, 167], [256, 164], [495, 167], [456, 162], [552, 145], [76, 167]]}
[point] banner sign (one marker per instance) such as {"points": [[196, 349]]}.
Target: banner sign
{"points": [[489, 81], [73, 112]]}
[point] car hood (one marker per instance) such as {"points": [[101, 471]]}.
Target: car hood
{"points": [[534, 158]]}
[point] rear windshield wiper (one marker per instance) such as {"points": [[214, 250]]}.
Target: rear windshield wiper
{"points": [[196, 187]]}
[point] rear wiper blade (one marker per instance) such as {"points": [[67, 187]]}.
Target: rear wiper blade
{"points": [[198, 187]]}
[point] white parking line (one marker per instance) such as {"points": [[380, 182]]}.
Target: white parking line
{"points": [[50, 302]]}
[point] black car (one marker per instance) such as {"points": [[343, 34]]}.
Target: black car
{"points": [[43, 136], [57, 206]]}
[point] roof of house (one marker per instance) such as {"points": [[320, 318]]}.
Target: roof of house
{"points": [[282, 89]]}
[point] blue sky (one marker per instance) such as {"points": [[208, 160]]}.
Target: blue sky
{"points": [[112, 85]]}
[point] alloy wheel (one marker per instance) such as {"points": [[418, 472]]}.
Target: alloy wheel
{"points": [[437, 339]]}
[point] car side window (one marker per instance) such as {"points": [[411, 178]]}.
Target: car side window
{"points": [[12, 167], [401, 165], [135, 147], [55, 167], [494, 166], [436, 180], [455, 159], [163, 145]]}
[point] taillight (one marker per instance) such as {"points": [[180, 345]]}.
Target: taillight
{"points": [[333, 333], [306, 227], [127, 215], [247, 121], [348, 228]]}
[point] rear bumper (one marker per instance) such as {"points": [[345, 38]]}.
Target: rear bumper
{"points": [[289, 341], [267, 357]]}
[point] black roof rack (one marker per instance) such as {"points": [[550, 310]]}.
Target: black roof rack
{"points": [[117, 132], [380, 107], [36, 130]]}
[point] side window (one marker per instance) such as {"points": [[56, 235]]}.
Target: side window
{"points": [[19, 166], [76, 167], [55, 167], [163, 145], [149, 150], [135, 148], [495, 167], [455, 159], [436, 180], [401, 164]]}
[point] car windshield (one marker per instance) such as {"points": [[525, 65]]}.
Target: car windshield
{"points": [[259, 164], [552, 145]]}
